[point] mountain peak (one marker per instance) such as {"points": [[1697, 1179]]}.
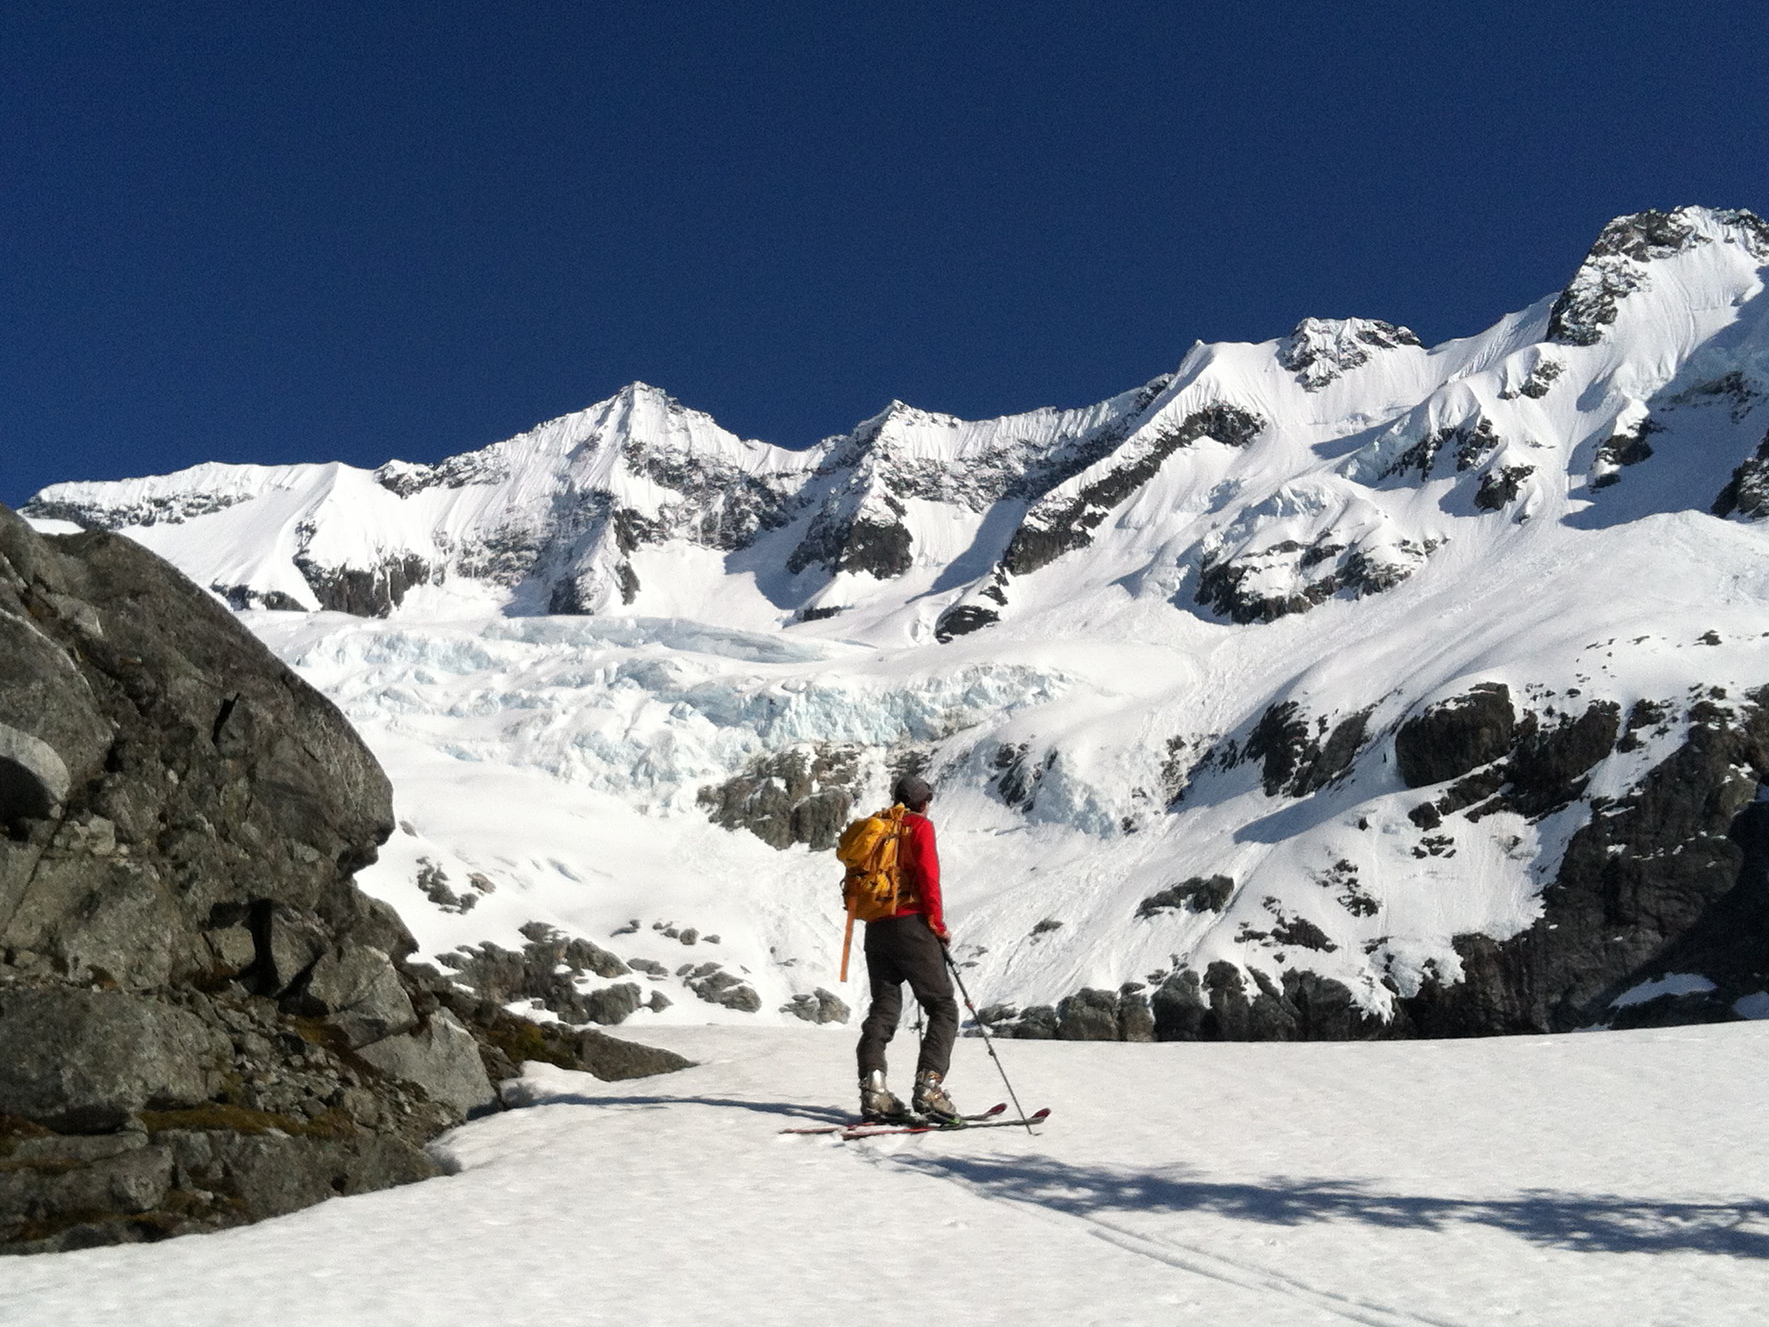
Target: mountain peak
{"points": [[1615, 266]]}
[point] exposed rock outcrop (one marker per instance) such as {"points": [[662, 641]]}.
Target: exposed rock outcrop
{"points": [[1198, 894], [1672, 877], [202, 1020], [1294, 758], [1223, 1005], [1087, 1015], [1499, 488], [1455, 736], [1624, 447], [550, 970], [1319, 350], [365, 591], [1656, 877], [819, 1006], [795, 796], [1264, 584], [1747, 493]]}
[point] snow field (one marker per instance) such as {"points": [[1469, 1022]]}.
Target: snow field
{"points": [[1610, 1179]]}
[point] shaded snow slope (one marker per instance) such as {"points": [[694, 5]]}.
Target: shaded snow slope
{"points": [[1607, 1180], [1328, 686]]}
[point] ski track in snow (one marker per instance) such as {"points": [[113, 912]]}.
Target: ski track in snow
{"points": [[1201, 1262]]}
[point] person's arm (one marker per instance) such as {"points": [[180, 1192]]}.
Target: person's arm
{"points": [[927, 870]]}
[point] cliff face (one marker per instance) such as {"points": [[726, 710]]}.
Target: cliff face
{"points": [[202, 1020]]}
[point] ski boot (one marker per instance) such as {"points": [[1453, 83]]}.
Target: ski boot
{"points": [[931, 1101], [878, 1104]]}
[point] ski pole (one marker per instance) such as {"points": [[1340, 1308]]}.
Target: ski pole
{"points": [[987, 1039]]}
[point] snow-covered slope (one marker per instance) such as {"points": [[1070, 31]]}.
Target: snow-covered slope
{"points": [[1611, 1181], [1327, 686]]}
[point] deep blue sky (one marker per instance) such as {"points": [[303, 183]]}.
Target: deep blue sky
{"points": [[318, 231]]}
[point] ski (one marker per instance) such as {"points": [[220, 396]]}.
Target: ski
{"points": [[884, 1130], [989, 1114]]}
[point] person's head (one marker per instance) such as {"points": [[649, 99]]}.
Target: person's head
{"points": [[913, 792]]}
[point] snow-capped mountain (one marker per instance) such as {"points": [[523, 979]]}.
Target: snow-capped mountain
{"points": [[1325, 686]]}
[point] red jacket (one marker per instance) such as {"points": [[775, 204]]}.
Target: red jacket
{"points": [[921, 872]]}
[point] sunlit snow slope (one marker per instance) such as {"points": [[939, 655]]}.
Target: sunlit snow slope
{"points": [[1331, 686], [1612, 1181]]}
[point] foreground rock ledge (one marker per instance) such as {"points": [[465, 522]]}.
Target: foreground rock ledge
{"points": [[202, 1021]]}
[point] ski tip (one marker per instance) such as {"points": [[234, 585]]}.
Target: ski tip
{"points": [[1038, 1116]]}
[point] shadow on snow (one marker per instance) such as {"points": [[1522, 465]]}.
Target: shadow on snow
{"points": [[1590, 1223], [1586, 1223]]}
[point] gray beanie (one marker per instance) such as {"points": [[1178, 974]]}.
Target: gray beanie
{"points": [[912, 790]]}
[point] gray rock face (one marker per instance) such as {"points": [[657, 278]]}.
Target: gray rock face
{"points": [[195, 762], [795, 796], [1500, 488], [1666, 873], [548, 970], [1219, 1006], [366, 591], [442, 1058], [357, 991], [1328, 566], [963, 619], [1294, 761], [60, 1193], [1747, 493], [1197, 894], [33, 779], [1319, 350], [1672, 876], [192, 990], [88, 1060], [716, 986], [820, 1006], [1450, 739], [843, 542], [1617, 265], [1087, 1015], [1629, 447], [1469, 442]]}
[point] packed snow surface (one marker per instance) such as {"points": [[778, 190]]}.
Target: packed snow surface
{"points": [[1612, 1179]]}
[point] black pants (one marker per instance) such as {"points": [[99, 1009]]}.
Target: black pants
{"points": [[898, 950]]}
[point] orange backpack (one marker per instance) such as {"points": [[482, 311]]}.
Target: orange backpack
{"points": [[873, 889]]}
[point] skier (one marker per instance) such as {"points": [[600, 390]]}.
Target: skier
{"points": [[910, 947]]}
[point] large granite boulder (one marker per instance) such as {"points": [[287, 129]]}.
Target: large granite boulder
{"points": [[202, 1020]]}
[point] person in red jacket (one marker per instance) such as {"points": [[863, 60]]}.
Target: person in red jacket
{"points": [[910, 947]]}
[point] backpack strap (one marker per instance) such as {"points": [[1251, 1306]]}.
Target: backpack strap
{"points": [[848, 935]]}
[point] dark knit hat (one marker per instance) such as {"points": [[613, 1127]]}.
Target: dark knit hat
{"points": [[911, 790]]}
